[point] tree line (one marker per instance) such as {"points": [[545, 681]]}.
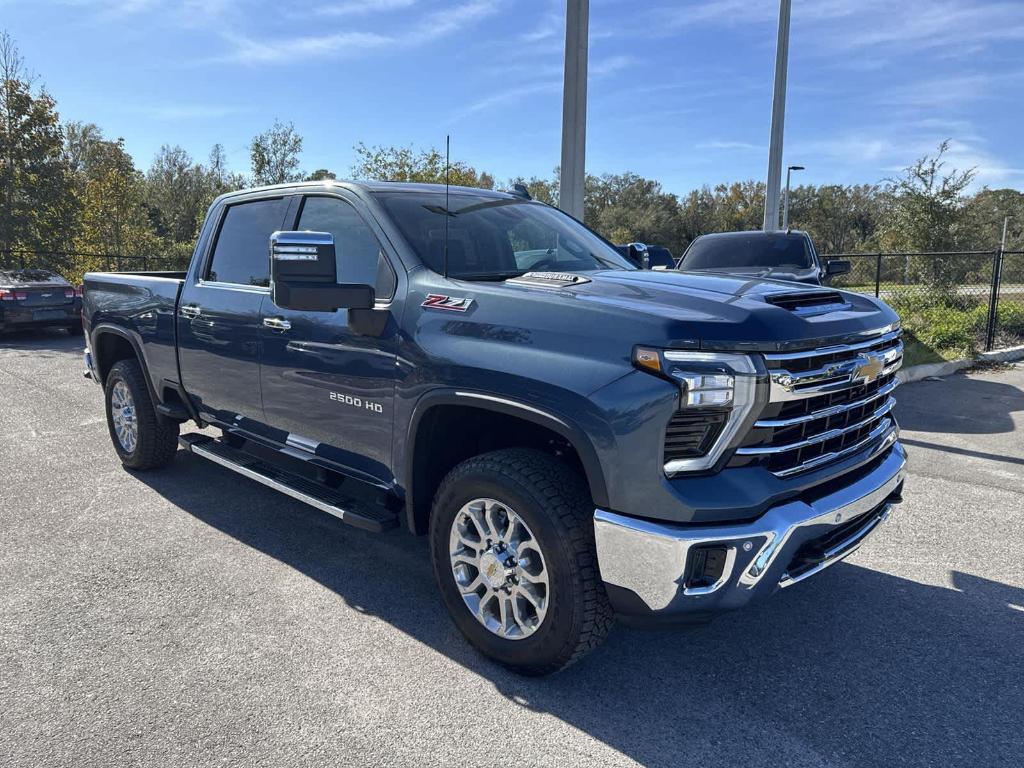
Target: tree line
{"points": [[70, 195]]}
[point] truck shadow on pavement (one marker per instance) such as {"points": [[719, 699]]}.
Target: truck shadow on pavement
{"points": [[939, 406], [854, 667]]}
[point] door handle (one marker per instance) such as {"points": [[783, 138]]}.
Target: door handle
{"points": [[277, 323], [190, 311]]}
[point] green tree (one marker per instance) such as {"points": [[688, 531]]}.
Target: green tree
{"points": [[406, 164], [925, 206], [984, 214], [179, 191], [839, 218], [275, 155], [320, 174], [115, 220], [629, 208], [37, 206]]}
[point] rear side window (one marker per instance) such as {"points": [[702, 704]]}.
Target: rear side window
{"points": [[359, 256], [241, 253]]}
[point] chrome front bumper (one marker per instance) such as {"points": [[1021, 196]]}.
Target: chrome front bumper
{"points": [[650, 559]]}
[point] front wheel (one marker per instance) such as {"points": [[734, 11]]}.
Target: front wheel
{"points": [[512, 545], [142, 438]]}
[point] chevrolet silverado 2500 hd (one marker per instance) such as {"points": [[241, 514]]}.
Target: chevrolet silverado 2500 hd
{"points": [[576, 437]]}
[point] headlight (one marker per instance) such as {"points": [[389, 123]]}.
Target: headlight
{"points": [[718, 391]]}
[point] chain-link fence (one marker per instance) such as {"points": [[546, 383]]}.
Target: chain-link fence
{"points": [[950, 302]]}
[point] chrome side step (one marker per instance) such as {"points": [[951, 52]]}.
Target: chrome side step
{"points": [[374, 518]]}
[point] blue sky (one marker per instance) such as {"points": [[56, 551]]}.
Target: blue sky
{"points": [[679, 91]]}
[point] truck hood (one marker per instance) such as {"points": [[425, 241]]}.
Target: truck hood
{"points": [[719, 311]]}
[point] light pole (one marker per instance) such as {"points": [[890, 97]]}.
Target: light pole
{"points": [[785, 210], [574, 108], [771, 193]]}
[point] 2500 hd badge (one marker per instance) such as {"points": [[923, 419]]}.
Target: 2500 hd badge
{"points": [[357, 402]]}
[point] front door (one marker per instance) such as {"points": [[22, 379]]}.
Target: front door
{"points": [[328, 385], [220, 314]]}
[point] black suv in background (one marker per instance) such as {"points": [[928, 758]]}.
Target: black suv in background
{"points": [[32, 298], [782, 255]]}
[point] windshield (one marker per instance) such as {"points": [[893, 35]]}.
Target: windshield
{"points": [[494, 238], [758, 249]]}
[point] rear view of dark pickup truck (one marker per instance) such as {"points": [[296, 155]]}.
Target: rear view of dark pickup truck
{"points": [[577, 438]]}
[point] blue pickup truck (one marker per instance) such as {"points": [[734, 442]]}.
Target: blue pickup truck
{"points": [[577, 438]]}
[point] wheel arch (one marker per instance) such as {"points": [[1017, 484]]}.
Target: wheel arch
{"points": [[422, 477], [109, 344]]}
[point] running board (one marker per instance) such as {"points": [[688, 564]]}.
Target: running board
{"points": [[327, 499]]}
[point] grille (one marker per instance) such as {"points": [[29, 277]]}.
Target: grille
{"points": [[826, 404], [691, 433]]}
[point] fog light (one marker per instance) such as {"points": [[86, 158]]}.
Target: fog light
{"points": [[707, 564]]}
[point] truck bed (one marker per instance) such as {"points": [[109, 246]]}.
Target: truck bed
{"points": [[143, 307]]}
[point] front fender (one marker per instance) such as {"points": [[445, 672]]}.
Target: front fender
{"points": [[584, 430]]}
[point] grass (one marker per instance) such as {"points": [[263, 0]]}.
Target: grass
{"points": [[944, 325]]}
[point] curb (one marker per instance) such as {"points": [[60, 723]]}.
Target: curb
{"points": [[918, 372]]}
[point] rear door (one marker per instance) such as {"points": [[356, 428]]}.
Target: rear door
{"points": [[328, 385], [219, 312]]}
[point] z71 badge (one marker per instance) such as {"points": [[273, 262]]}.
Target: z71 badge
{"points": [[448, 303]]}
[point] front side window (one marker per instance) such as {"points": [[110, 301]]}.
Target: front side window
{"points": [[241, 253], [495, 238], [359, 256]]}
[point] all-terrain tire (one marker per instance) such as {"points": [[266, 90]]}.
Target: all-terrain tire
{"points": [[157, 436], [555, 504]]}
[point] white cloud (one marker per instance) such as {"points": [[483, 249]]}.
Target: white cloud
{"points": [[247, 50], [450, 19], [362, 7], [508, 96], [434, 25]]}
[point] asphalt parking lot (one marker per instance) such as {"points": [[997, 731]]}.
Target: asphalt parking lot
{"points": [[190, 617]]}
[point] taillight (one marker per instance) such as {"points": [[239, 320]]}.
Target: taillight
{"points": [[69, 293], [6, 295], [79, 291]]}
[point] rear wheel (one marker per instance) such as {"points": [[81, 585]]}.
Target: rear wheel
{"points": [[513, 551], [142, 438]]}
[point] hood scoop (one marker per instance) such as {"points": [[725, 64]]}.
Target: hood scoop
{"points": [[808, 302]]}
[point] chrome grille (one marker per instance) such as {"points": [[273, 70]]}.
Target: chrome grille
{"points": [[826, 404]]}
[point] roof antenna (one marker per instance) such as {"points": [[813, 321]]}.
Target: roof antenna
{"points": [[447, 165]]}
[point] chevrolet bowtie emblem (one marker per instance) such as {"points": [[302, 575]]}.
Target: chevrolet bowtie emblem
{"points": [[868, 369]]}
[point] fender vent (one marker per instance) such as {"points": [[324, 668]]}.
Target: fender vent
{"points": [[806, 300]]}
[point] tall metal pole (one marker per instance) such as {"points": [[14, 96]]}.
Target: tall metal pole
{"points": [[771, 202], [785, 209], [574, 108]]}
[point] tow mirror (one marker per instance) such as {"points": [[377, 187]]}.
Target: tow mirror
{"points": [[837, 267], [638, 255], [303, 275]]}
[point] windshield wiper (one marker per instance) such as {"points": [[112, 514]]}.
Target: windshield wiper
{"points": [[495, 276]]}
